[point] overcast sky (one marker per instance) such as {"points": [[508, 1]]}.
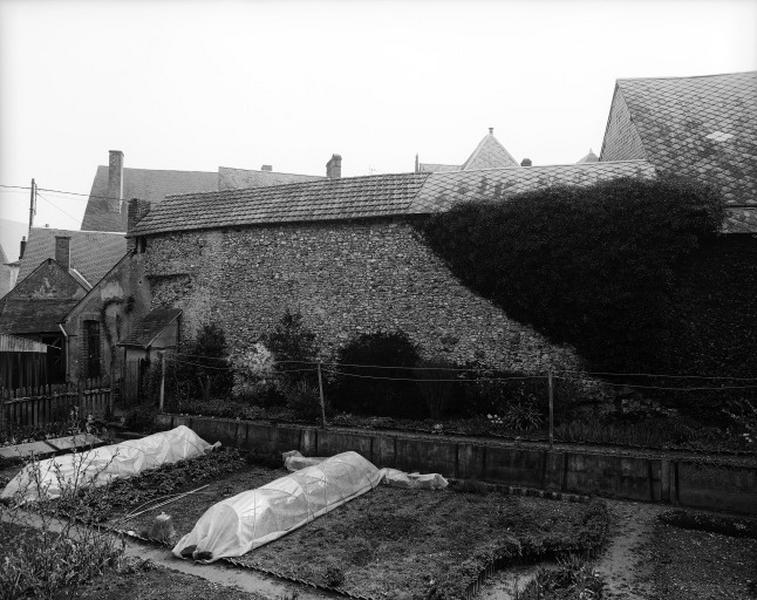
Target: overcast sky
{"points": [[196, 85]]}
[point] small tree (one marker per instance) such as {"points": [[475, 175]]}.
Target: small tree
{"points": [[205, 368]]}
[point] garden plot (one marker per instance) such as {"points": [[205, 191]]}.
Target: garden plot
{"points": [[389, 543]]}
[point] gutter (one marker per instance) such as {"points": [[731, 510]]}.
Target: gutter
{"points": [[65, 345]]}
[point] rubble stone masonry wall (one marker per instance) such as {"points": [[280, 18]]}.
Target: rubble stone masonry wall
{"points": [[345, 279]]}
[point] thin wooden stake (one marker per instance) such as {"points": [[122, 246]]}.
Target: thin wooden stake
{"points": [[320, 391], [551, 411], [162, 380]]}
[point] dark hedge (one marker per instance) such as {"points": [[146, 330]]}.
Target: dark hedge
{"points": [[632, 273]]}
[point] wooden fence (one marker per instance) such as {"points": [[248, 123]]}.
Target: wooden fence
{"points": [[36, 406]]}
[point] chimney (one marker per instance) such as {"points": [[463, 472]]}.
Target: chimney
{"points": [[22, 248], [526, 162], [115, 180], [137, 210], [491, 130], [266, 168], [63, 251], [334, 167]]}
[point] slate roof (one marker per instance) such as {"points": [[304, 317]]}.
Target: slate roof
{"points": [[93, 253], [372, 196], [150, 326], [436, 167], [146, 184], [19, 316], [489, 154], [702, 127], [589, 158], [328, 199], [235, 179], [443, 190]]}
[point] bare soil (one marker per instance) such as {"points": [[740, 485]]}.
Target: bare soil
{"points": [[390, 541]]}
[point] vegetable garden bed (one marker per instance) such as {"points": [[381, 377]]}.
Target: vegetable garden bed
{"points": [[389, 543]]}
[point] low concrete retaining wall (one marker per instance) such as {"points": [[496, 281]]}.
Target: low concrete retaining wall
{"points": [[679, 481]]}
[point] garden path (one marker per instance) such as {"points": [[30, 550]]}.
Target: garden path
{"points": [[624, 564]]}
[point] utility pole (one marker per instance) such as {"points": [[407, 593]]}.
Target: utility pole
{"points": [[32, 203]]}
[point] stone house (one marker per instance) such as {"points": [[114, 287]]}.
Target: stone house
{"points": [[345, 253], [35, 307], [113, 185], [702, 127]]}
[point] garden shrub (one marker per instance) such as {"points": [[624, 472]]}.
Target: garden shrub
{"points": [[592, 266], [44, 553], [203, 370], [356, 387], [295, 353], [436, 388]]}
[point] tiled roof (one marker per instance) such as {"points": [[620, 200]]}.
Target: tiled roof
{"points": [[328, 199], [146, 184], [373, 196], [20, 316], [489, 154], [589, 158], [236, 179], [436, 168], [93, 253], [702, 127], [443, 190], [149, 327]]}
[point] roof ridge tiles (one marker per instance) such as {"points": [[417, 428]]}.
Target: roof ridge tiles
{"points": [[674, 77]]}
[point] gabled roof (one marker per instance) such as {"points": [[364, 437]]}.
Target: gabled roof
{"points": [[701, 127], [146, 184], [370, 197], [444, 190], [93, 253], [20, 316], [489, 154], [235, 179], [328, 199], [436, 168], [150, 327], [589, 158]]}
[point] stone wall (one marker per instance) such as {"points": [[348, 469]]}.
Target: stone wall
{"points": [[118, 300], [345, 278]]}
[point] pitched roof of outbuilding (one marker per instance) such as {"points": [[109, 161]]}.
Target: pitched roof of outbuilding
{"points": [[146, 184], [19, 316], [702, 127], [369, 197], [324, 200], [150, 326], [93, 253]]}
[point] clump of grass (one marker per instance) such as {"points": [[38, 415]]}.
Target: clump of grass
{"points": [[573, 579]]}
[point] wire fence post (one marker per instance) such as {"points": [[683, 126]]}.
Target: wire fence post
{"points": [[551, 410], [162, 381], [320, 392]]}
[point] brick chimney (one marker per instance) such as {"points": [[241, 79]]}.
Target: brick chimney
{"points": [[266, 168], [137, 210], [115, 180], [334, 167], [63, 251], [526, 162]]}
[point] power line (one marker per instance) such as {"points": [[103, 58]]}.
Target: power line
{"points": [[58, 208]]}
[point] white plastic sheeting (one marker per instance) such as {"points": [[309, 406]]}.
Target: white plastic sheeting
{"points": [[100, 466], [248, 520]]}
